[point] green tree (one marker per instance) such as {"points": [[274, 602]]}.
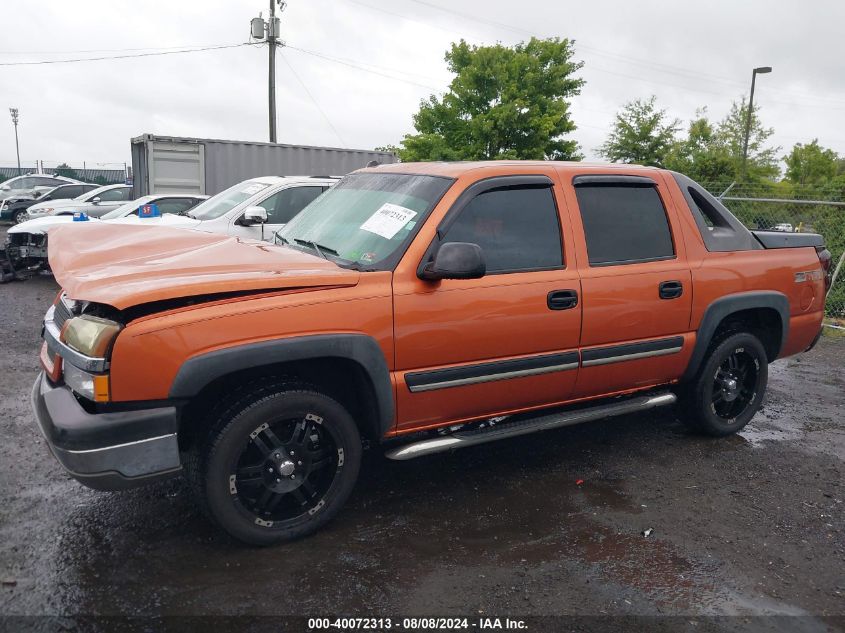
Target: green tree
{"points": [[387, 148], [762, 162], [810, 164], [66, 170], [701, 155], [504, 102], [641, 134]]}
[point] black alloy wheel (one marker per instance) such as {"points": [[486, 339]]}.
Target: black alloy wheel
{"points": [[279, 462], [728, 389], [734, 384], [285, 469]]}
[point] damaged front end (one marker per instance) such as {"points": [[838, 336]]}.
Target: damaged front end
{"points": [[24, 255]]}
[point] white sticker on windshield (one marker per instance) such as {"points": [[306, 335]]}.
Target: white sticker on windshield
{"points": [[253, 189], [388, 220]]}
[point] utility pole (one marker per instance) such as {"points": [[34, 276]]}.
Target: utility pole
{"points": [[259, 29], [14, 113], [761, 70], [271, 79]]}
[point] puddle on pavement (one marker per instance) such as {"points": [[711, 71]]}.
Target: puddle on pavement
{"points": [[409, 525]]}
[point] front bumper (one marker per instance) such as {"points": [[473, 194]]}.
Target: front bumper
{"points": [[106, 451]]}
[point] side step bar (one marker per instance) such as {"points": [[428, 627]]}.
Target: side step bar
{"points": [[523, 427]]}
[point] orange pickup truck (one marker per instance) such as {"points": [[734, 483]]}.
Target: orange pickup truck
{"points": [[419, 307]]}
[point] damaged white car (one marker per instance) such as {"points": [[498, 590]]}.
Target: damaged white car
{"points": [[26, 243]]}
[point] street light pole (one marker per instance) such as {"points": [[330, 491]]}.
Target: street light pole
{"points": [[762, 70], [14, 113]]}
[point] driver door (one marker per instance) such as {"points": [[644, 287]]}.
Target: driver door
{"points": [[471, 348]]}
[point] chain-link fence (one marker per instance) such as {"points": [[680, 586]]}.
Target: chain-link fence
{"points": [[97, 173], [806, 210]]}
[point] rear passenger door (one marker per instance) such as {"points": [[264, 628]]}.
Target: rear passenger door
{"points": [[635, 280]]}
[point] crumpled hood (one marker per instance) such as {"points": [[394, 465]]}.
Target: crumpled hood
{"points": [[126, 266]]}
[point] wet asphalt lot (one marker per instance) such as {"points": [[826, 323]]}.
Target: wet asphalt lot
{"points": [[745, 526]]}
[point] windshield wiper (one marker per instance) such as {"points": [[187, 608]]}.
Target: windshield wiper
{"points": [[317, 247]]}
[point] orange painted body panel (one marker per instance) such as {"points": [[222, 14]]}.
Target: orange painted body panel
{"points": [[167, 340], [424, 326]]}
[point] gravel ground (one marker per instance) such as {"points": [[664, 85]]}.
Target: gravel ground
{"points": [[751, 525]]}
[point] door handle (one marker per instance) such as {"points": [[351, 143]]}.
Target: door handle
{"points": [[671, 289], [562, 299]]}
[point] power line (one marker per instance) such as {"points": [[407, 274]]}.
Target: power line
{"points": [[311, 96], [106, 50], [359, 67], [96, 59]]}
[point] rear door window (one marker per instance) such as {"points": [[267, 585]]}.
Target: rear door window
{"points": [[624, 224], [175, 205], [115, 195], [64, 193], [284, 205]]}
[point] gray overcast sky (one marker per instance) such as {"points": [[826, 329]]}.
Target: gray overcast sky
{"points": [[688, 54]]}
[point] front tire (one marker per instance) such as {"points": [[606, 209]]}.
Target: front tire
{"points": [[728, 390], [278, 465], [20, 216]]}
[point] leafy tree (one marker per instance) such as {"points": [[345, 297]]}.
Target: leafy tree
{"points": [[387, 148], [810, 164], [641, 134], [504, 102], [762, 161], [66, 170], [701, 155]]}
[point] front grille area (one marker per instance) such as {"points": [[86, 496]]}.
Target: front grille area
{"points": [[62, 313]]}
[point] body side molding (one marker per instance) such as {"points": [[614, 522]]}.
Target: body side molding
{"points": [[490, 371], [197, 372], [631, 351]]}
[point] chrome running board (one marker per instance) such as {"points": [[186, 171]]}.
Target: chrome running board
{"points": [[524, 427]]}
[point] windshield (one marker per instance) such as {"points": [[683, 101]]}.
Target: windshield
{"points": [[227, 200], [126, 209], [366, 217]]}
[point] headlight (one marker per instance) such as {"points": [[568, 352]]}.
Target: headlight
{"points": [[90, 335], [40, 211], [92, 386]]}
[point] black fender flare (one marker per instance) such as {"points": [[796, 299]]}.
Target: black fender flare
{"points": [[199, 371], [725, 306]]}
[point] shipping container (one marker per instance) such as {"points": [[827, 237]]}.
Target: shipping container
{"points": [[168, 164]]}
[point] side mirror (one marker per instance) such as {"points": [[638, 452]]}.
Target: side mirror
{"points": [[456, 260], [36, 195], [95, 200], [254, 215]]}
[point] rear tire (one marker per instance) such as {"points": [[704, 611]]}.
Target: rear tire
{"points": [[278, 465], [728, 390]]}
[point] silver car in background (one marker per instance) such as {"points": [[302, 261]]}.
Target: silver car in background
{"points": [[95, 203]]}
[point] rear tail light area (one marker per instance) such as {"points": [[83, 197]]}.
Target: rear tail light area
{"points": [[827, 265]]}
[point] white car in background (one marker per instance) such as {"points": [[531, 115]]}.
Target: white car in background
{"points": [[255, 208], [26, 243], [95, 203]]}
